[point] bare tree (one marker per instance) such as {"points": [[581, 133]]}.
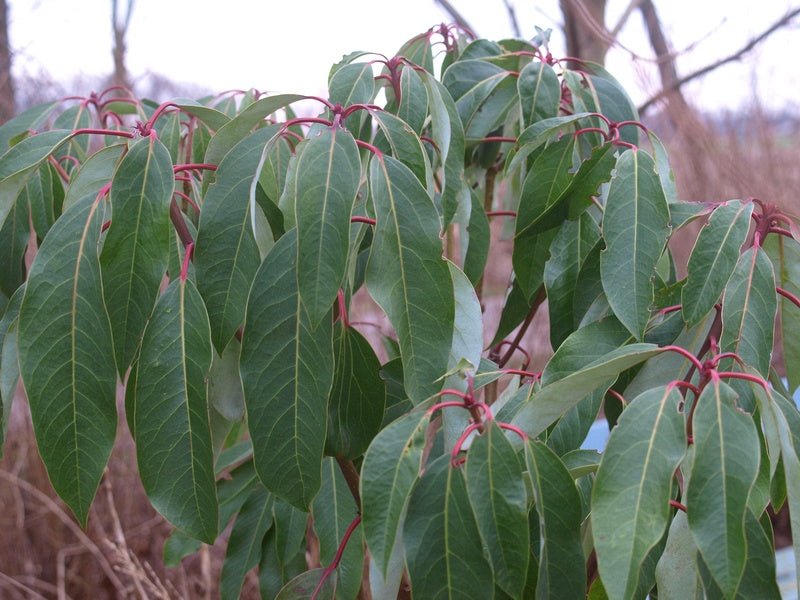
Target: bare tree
{"points": [[119, 25], [7, 104]]}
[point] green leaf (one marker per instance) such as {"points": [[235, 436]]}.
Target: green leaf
{"points": [[539, 92], [407, 276], [358, 396], [676, 573], [240, 126], [390, 469], [413, 106], [498, 498], [333, 510], [784, 253], [442, 541], [352, 84], [475, 237], [748, 310], [398, 139], [136, 249], [67, 356], [529, 256], [30, 119], [545, 184], [562, 572], [323, 185], [287, 373], [724, 468], [211, 117], [568, 251], [14, 236], [555, 399], [9, 360], [226, 256], [630, 497], [224, 385], [244, 545], [173, 441], [22, 160], [93, 174], [535, 136], [635, 228], [714, 258]]}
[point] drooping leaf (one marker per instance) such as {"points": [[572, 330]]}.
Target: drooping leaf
{"points": [[352, 84], [67, 356], [725, 465], [635, 228], [287, 372], [630, 497], [413, 106], [244, 545], [562, 572], [306, 586], [9, 359], [748, 310], [553, 400], [390, 469], [475, 237], [407, 276], [136, 249], [226, 255], [529, 256], [213, 119], [224, 385], [358, 396], [676, 573], [29, 119], [784, 253], [14, 235], [714, 258], [498, 498], [173, 440], [324, 182], [539, 92], [442, 540], [333, 510], [93, 174], [397, 138]]}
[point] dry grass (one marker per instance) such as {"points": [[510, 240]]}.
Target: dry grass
{"points": [[43, 554]]}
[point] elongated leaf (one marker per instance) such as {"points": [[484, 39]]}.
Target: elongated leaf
{"points": [[358, 396], [390, 469], [748, 310], [287, 373], [568, 251], [386, 587], [635, 228], [21, 161], [785, 256], [333, 511], [529, 257], [545, 184], [407, 276], [472, 83], [14, 235], [498, 498], [714, 258], [9, 359], [224, 385], [211, 117], [676, 574], [29, 119], [553, 400], [93, 174], [413, 99], [539, 92], [136, 250], [244, 545], [325, 180], [173, 440], [535, 136], [630, 497], [237, 128], [724, 469], [306, 587], [352, 84], [226, 256], [475, 239], [441, 537], [67, 356], [562, 572], [401, 142]]}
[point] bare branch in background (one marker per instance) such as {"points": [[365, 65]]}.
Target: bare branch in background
{"points": [[512, 17], [632, 6], [665, 58], [584, 28], [7, 104], [456, 16], [120, 29], [677, 83]]}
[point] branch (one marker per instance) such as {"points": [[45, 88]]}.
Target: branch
{"points": [[632, 5], [453, 13], [512, 17], [782, 22]]}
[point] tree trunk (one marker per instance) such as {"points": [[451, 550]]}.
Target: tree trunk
{"points": [[7, 104], [584, 28]]}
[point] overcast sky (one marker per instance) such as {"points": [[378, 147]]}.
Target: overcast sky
{"points": [[289, 46]]}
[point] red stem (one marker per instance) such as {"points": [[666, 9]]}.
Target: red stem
{"points": [[370, 147], [679, 383], [501, 213], [194, 167], [59, 169], [92, 131], [447, 404], [452, 392], [307, 121], [188, 199], [186, 259], [342, 308], [618, 396], [781, 231], [509, 427], [744, 376], [460, 442], [338, 557], [522, 373], [158, 112], [685, 353], [670, 309], [678, 505], [360, 219], [732, 355], [519, 349], [176, 216], [788, 295], [498, 138]]}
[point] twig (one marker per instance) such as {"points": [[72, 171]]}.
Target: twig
{"points": [[783, 21], [351, 477], [31, 593], [457, 17], [512, 17]]}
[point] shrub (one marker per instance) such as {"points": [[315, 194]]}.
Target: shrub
{"points": [[208, 257]]}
